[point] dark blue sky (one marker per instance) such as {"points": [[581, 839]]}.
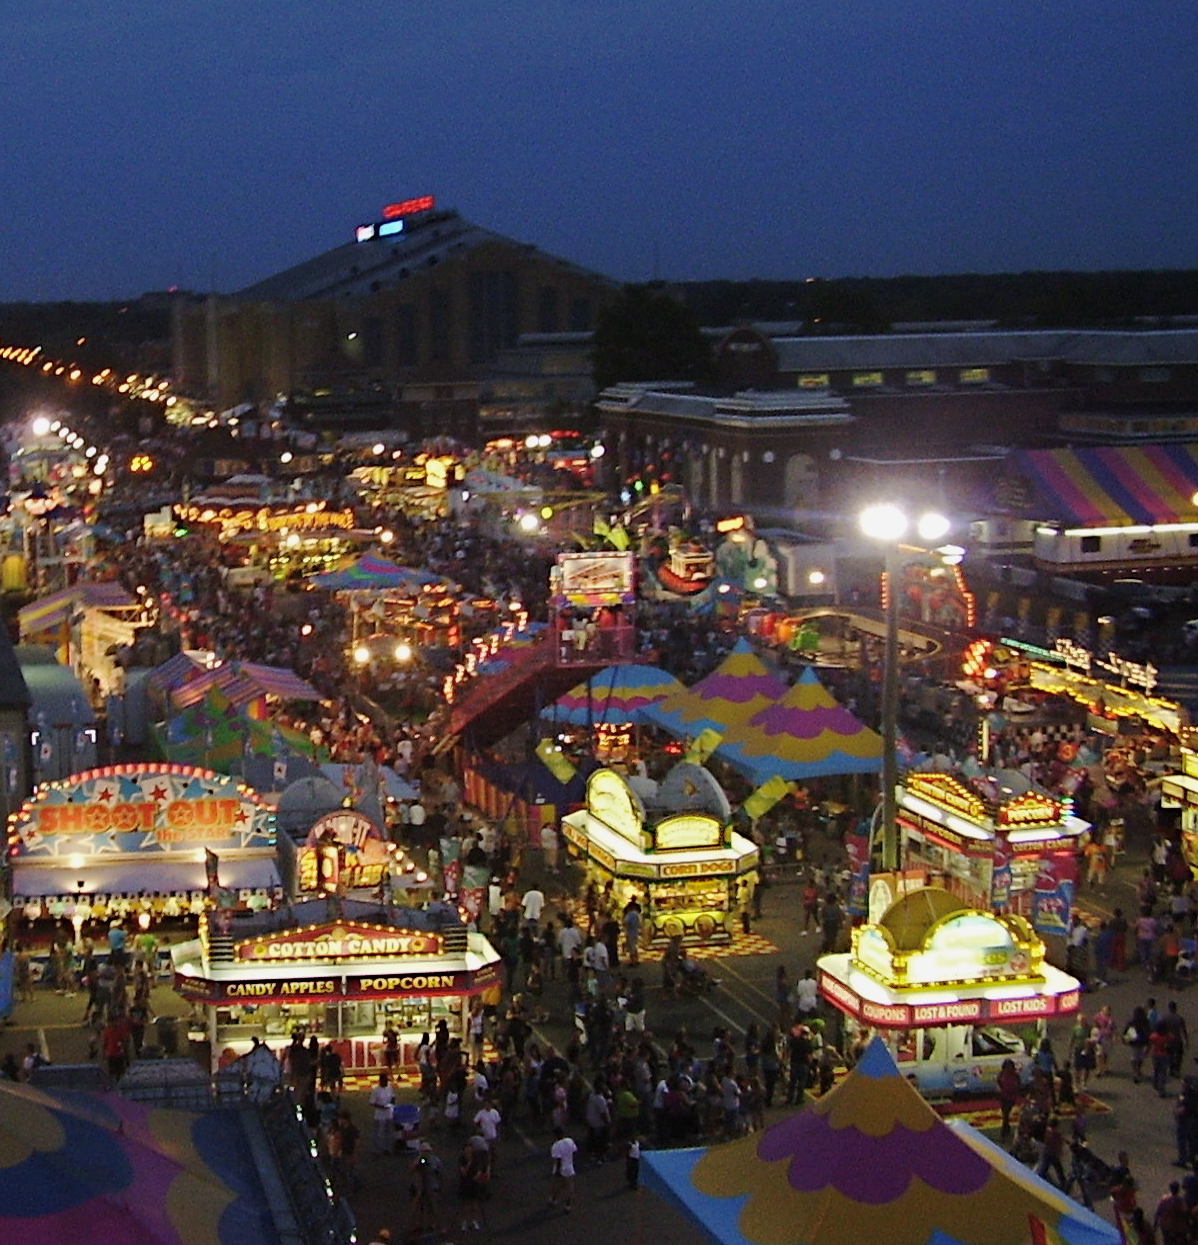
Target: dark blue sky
{"points": [[213, 142]]}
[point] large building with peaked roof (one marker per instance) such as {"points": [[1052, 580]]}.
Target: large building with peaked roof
{"points": [[398, 327]]}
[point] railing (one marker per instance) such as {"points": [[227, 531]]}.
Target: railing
{"points": [[323, 1218]]}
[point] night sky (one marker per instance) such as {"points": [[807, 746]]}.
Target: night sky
{"points": [[209, 143]]}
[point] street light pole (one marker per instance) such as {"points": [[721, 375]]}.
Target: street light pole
{"points": [[887, 523], [890, 695]]}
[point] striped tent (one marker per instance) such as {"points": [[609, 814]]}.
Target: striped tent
{"points": [[1111, 485], [242, 682], [805, 734], [616, 696], [740, 686], [872, 1162]]}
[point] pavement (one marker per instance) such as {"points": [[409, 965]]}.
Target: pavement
{"points": [[1137, 1120]]}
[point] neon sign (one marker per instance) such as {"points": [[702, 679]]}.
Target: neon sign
{"points": [[406, 207]]}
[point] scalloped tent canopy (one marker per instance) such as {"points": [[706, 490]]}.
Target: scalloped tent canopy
{"points": [[869, 1162]]}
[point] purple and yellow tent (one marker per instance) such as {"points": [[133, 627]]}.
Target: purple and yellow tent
{"points": [[869, 1162], [805, 734], [616, 696], [740, 686], [100, 1169]]}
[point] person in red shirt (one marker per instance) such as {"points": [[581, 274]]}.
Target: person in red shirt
{"points": [[114, 1042], [1158, 1048]]}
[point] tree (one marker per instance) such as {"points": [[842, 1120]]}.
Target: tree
{"points": [[643, 334]]}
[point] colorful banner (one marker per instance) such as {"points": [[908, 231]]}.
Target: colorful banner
{"points": [[857, 845], [555, 762], [1000, 878], [473, 894], [759, 802], [451, 865], [1052, 900], [702, 746]]}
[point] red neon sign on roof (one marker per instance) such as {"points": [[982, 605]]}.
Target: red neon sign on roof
{"points": [[393, 211]]}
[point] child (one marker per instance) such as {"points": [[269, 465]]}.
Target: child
{"points": [[632, 1164]]}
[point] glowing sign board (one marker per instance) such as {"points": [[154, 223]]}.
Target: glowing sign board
{"points": [[408, 207]]}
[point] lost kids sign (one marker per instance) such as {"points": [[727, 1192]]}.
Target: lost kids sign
{"points": [[140, 808]]}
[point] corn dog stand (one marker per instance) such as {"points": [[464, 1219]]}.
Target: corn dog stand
{"points": [[689, 868]]}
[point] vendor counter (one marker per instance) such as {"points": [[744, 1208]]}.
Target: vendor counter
{"points": [[344, 979]]}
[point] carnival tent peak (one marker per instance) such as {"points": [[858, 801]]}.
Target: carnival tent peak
{"points": [[805, 734], [740, 686], [869, 1161], [618, 695]]}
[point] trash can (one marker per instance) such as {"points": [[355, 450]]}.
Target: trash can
{"points": [[167, 1030]]}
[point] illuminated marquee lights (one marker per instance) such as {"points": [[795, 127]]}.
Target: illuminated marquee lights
{"points": [[408, 207]]}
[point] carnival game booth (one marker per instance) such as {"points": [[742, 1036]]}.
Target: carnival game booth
{"points": [[940, 980], [1116, 691], [688, 868], [340, 969], [994, 840], [139, 842]]}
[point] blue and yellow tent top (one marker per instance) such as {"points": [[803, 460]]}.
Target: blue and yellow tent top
{"points": [[616, 696], [736, 689], [806, 734], [1112, 486], [869, 1162], [108, 1171]]}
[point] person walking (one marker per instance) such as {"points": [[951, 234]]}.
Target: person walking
{"points": [[1158, 1049], [562, 1152], [382, 1102], [1010, 1090], [474, 1182], [1052, 1152], [1171, 1219]]}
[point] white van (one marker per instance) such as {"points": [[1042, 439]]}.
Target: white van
{"points": [[959, 1059]]}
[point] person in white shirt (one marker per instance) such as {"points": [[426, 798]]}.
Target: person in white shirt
{"points": [[382, 1099], [487, 1120], [806, 994], [569, 939], [562, 1152], [533, 904]]}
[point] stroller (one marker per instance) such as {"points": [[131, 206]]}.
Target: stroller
{"points": [[1088, 1174], [694, 979]]}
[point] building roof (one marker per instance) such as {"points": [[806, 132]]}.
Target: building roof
{"points": [[360, 268], [788, 408], [989, 348], [56, 696]]}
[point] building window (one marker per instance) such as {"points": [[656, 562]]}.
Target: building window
{"points": [[1194, 540], [923, 376], [974, 375], [1154, 375], [547, 310], [865, 379], [407, 336], [581, 315], [372, 341], [440, 323], [813, 380], [494, 313], [1091, 544]]}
